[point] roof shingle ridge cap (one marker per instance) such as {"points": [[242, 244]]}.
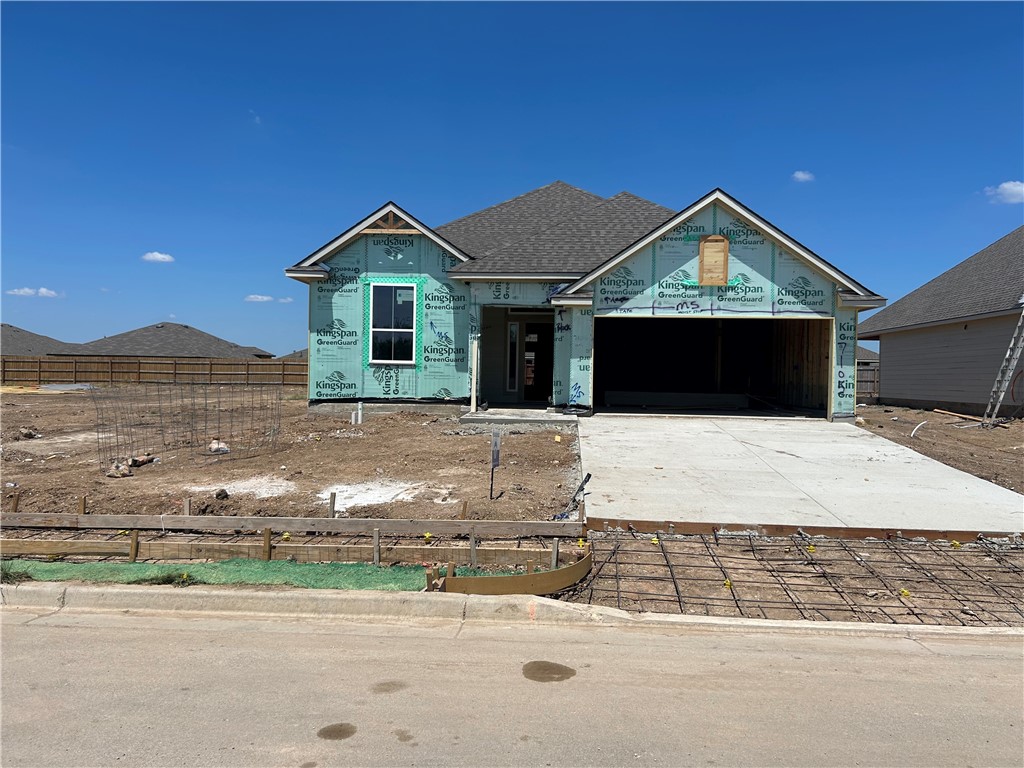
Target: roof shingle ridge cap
{"points": [[557, 182]]}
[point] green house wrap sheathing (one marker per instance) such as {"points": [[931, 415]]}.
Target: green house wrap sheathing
{"points": [[339, 321], [764, 281]]}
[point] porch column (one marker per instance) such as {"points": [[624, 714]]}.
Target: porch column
{"points": [[581, 375]]}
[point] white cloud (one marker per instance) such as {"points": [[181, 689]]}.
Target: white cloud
{"points": [[286, 300], [45, 293], [172, 316], [256, 118], [1007, 192], [803, 176], [156, 256], [258, 297]]}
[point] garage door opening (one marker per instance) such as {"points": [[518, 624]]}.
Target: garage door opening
{"points": [[712, 364]]}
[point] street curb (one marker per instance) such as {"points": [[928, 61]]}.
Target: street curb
{"points": [[419, 606]]}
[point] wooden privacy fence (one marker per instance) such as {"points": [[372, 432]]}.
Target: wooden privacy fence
{"points": [[35, 371], [868, 380]]}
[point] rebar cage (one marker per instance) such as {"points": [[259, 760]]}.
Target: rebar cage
{"points": [[205, 421]]}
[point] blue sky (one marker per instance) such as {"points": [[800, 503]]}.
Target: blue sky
{"points": [[166, 161]]}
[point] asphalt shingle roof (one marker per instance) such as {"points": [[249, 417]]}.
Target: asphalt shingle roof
{"points": [[583, 240], [167, 340], [18, 341], [992, 280], [865, 355], [505, 223]]}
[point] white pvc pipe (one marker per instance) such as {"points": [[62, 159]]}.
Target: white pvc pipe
{"points": [[917, 428], [474, 352]]}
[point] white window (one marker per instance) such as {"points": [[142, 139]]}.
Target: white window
{"points": [[392, 323]]}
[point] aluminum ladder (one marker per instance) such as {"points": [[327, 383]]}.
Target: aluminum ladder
{"points": [[1005, 375]]}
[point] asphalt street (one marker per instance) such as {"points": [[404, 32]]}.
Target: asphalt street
{"points": [[83, 688]]}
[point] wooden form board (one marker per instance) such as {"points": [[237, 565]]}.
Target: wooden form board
{"points": [[543, 583], [302, 553], [714, 260], [351, 526], [668, 527]]}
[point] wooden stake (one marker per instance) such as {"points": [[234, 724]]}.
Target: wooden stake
{"points": [[330, 508], [472, 549], [14, 502], [430, 580], [451, 569], [82, 506], [133, 552], [186, 506], [554, 554], [376, 546], [267, 546], [465, 509], [529, 566]]}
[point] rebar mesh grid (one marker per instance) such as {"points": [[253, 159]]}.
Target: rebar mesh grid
{"points": [[207, 421], [816, 579]]}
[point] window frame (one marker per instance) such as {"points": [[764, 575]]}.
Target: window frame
{"points": [[512, 371], [373, 329]]}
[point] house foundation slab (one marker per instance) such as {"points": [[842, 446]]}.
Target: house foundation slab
{"points": [[800, 472]]}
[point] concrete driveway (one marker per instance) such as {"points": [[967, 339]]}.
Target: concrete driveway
{"points": [[779, 471]]}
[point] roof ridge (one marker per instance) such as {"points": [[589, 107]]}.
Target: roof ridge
{"points": [[556, 183]]}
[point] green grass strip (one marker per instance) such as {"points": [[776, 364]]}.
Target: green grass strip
{"points": [[396, 578]]}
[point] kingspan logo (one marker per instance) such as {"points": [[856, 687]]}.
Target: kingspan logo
{"points": [[680, 279], [445, 297], [336, 384], [393, 247], [443, 394], [342, 278], [387, 377], [741, 288], [336, 334], [801, 291], [442, 349], [622, 282], [686, 232], [740, 233]]}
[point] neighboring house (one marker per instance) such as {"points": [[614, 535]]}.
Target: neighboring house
{"points": [[942, 345], [166, 340], [297, 355], [867, 375], [581, 301], [15, 341]]}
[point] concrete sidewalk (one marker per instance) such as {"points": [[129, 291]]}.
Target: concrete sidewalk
{"points": [[799, 472]]}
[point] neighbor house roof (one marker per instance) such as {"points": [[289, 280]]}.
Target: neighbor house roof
{"points": [[989, 282], [18, 341], [298, 354], [865, 355], [494, 228], [576, 244], [167, 340]]}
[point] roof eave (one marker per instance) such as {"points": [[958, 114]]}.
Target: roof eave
{"points": [[355, 231], [877, 333], [547, 277]]}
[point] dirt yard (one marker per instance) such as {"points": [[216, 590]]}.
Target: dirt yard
{"points": [[996, 455], [404, 465]]}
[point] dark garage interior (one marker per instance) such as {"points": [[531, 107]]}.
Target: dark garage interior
{"points": [[711, 363]]}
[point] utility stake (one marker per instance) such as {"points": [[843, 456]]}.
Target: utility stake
{"points": [[133, 550], [554, 554], [186, 505], [82, 510], [267, 546], [376, 546], [472, 549]]}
